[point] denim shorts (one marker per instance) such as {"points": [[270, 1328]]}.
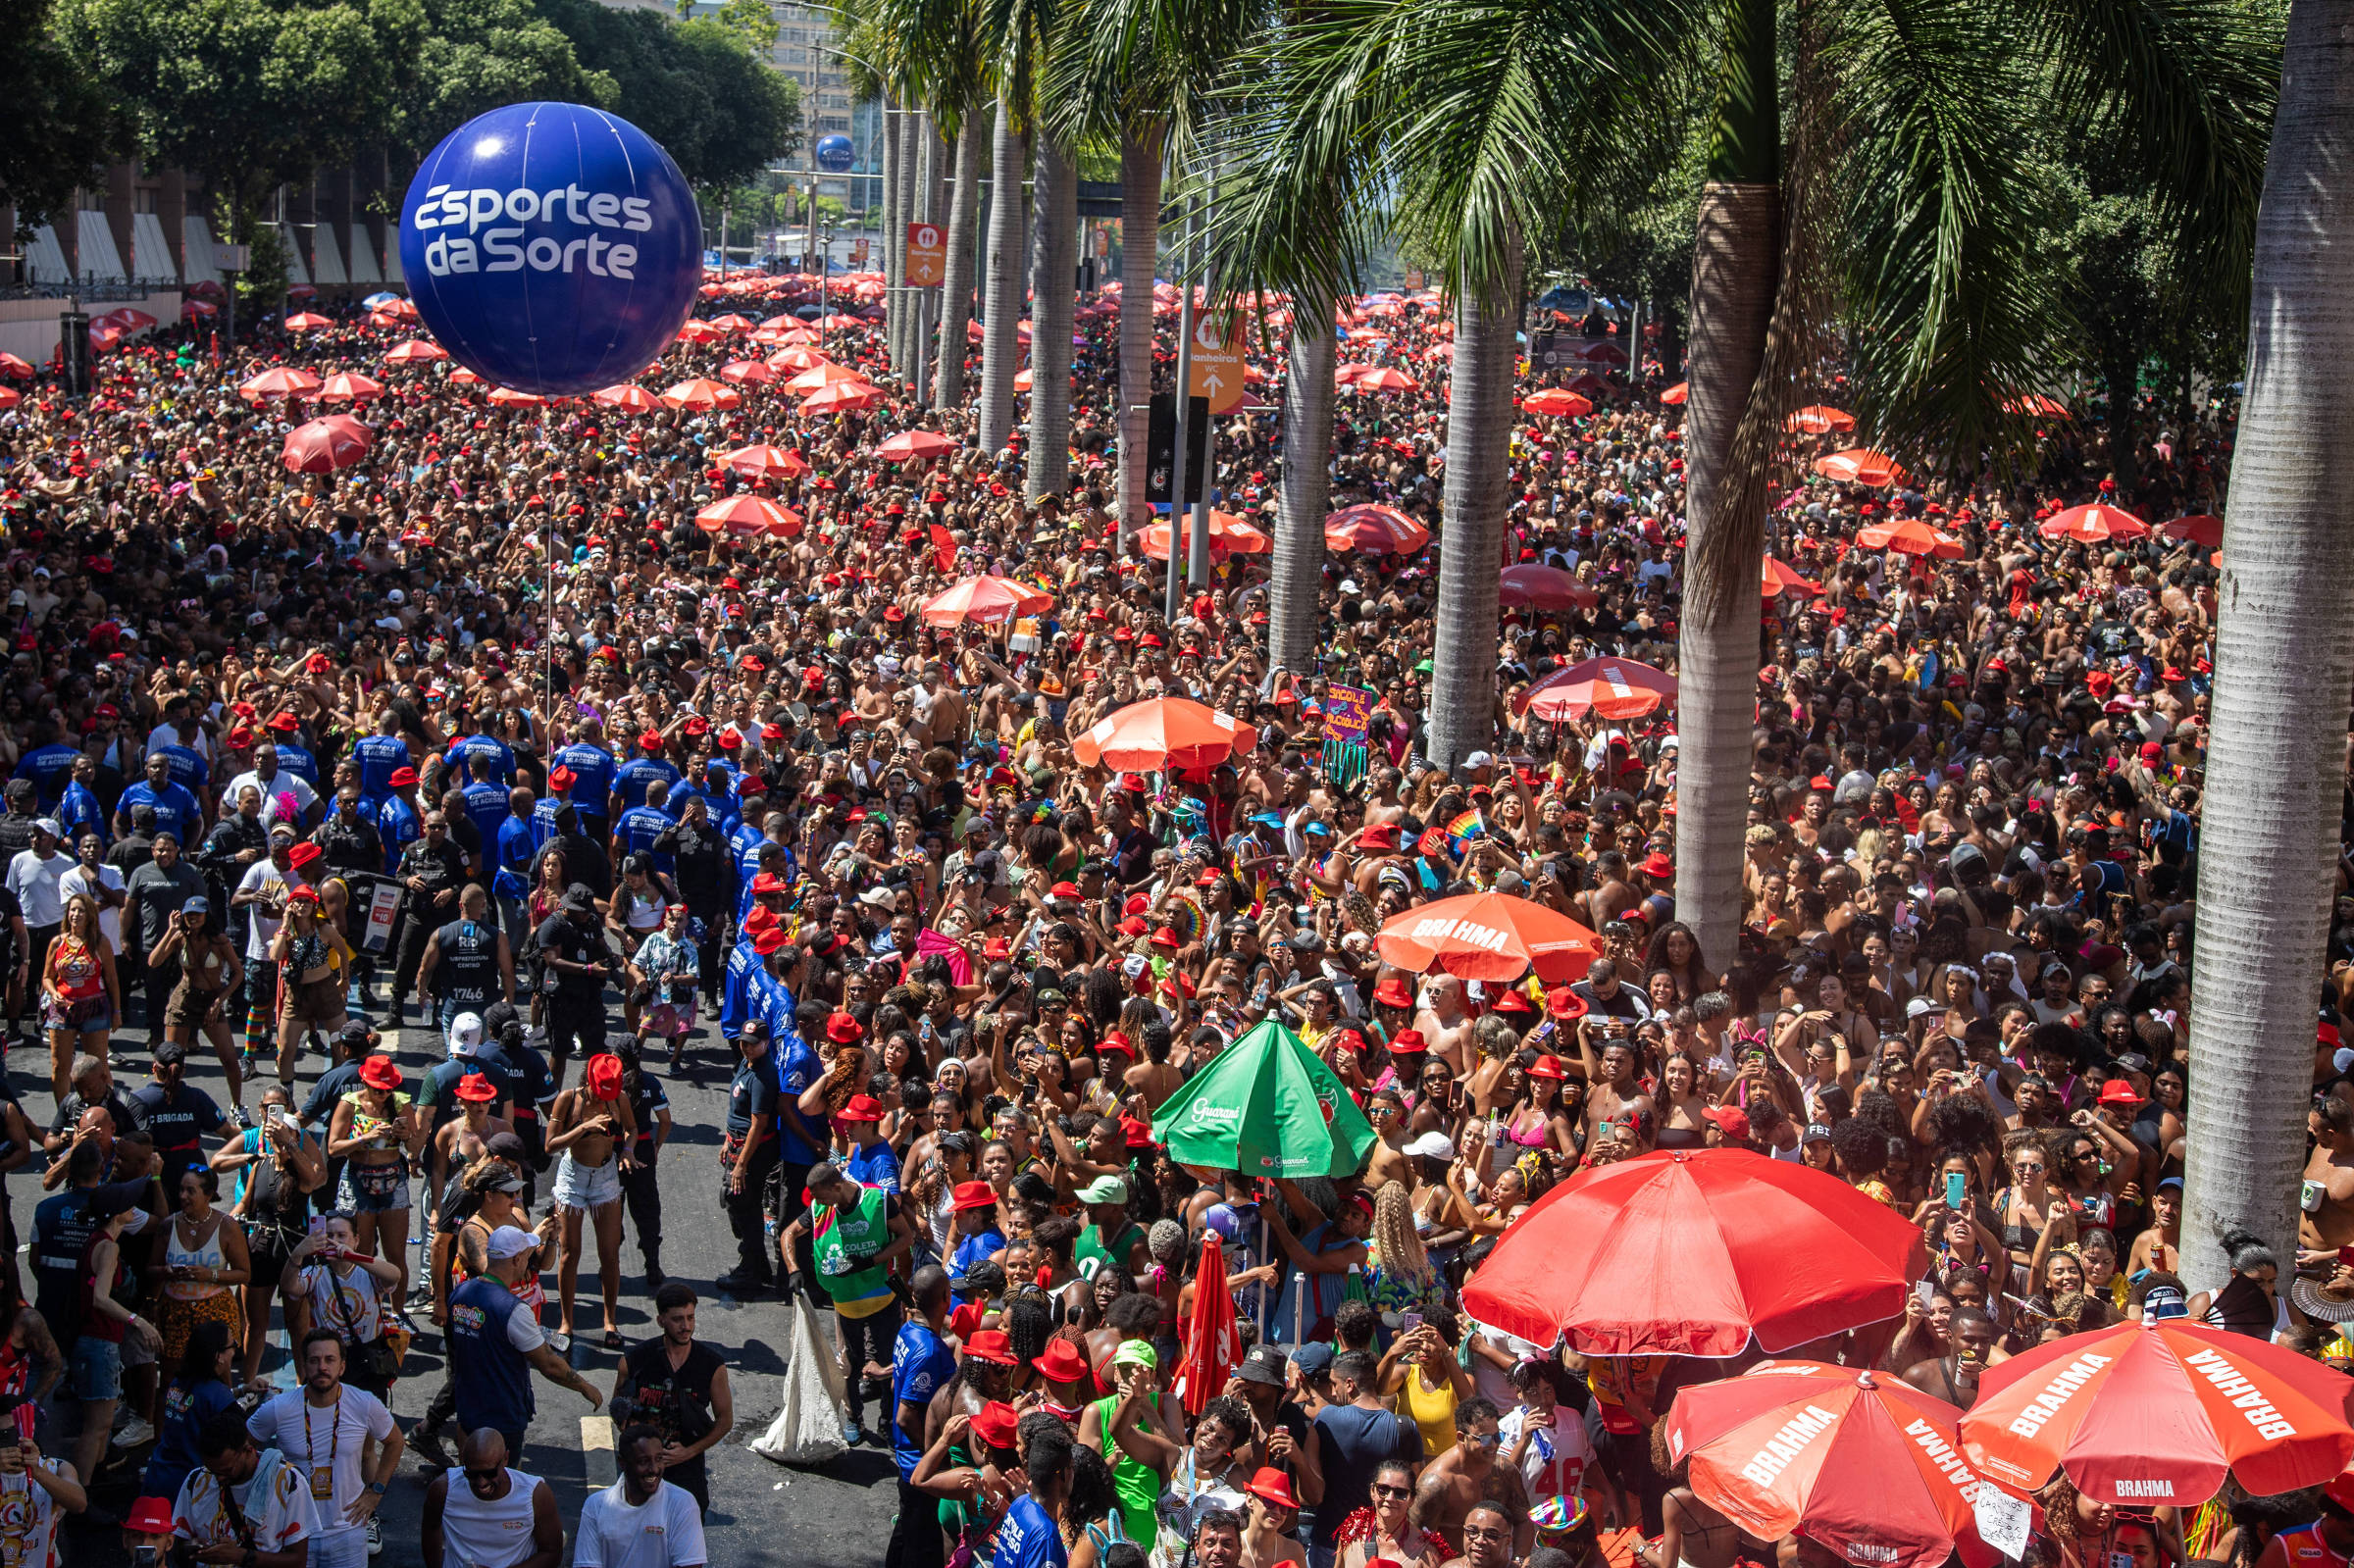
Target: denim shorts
{"points": [[375, 1189], [97, 1369]]}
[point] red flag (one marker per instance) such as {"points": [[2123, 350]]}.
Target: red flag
{"points": [[944, 548], [1211, 1351]]}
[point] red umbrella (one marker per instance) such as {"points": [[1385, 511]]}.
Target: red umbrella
{"points": [[416, 351], [764, 463], [510, 397], [1676, 393], [1544, 588], [1615, 688], [730, 323], [841, 397], [1822, 420], [1211, 1347], [303, 321], [10, 365], [703, 392], [797, 359], [1489, 936], [1688, 1252], [2092, 525], [1909, 537], [2157, 1411], [325, 445], [824, 373], [347, 387], [1558, 401], [747, 372], [1228, 536], [1860, 465], [1862, 1462], [1166, 731], [1385, 380], [908, 445], [746, 516], [983, 600], [128, 319], [2205, 529], [285, 382], [701, 332], [462, 377], [1374, 528], [629, 396], [1781, 579], [2038, 404], [9, 397]]}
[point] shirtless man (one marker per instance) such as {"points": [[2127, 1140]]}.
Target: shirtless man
{"points": [[2160, 1246], [1446, 1023], [590, 1124], [1466, 1481], [1954, 1376], [1615, 1092], [2328, 1194]]}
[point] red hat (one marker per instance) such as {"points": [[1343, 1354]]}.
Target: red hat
{"points": [[999, 1425], [408, 775], [861, 1108], [1515, 1000], [1732, 1119], [303, 854], [380, 1072], [1061, 1362], [604, 1074], [767, 881], [305, 895], [844, 1030], [558, 777], [1382, 835], [1656, 864], [2117, 1092], [769, 940], [1133, 926], [760, 919], [975, 1195], [1407, 1042], [697, 725], [285, 724], [1064, 889], [996, 947], [651, 740], [239, 739], [1166, 936], [475, 1087], [150, 1516], [729, 738], [1546, 1067], [1139, 1135], [1272, 1486], [1563, 1002], [1392, 993]]}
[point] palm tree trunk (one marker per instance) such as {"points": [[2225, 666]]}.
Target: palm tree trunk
{"points": [[1479, 433], [2283, 662], [956, 281], [933, 210], [1296, 571], [1057, 219], [1735, 266], [1140, 247], [893, 188], [1001, 303], [903, 331]]}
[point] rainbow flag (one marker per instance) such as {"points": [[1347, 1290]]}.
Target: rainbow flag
{"points": [[1465, 829]]}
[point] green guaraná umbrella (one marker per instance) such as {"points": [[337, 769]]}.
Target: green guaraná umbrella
{"points": [[1267, 1106]]}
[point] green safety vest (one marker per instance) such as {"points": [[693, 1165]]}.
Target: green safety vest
{"points": [[844, 1238]]}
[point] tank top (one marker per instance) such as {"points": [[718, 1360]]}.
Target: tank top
{"points": [[2306, 1548], [645, 911], [1431, 1410], [1137, 1484], [75, 967], [479, 1533], [468, 970], [493, 1377], [206, 1254], [29, 1518]]}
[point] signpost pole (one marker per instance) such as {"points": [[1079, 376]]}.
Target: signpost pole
{"points": [[1197, 553]]}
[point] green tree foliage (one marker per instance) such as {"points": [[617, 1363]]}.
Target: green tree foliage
{"points": [[456, 59], [693, 86], [57, 125]]}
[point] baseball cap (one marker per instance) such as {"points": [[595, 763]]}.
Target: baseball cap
{"points": [[511, 1241], [1104, 1189]]}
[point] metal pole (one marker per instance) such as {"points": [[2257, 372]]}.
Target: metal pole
{"points": [[1196, 556], [1185, 401], [723, 244]]}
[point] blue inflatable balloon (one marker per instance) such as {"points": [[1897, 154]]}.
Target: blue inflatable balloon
{"points": [[551, 247], [834, 154]]}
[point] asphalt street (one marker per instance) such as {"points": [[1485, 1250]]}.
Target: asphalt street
{"points": [[838, 1516]]}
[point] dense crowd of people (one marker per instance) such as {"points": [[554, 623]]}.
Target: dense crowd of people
{"points": [[450, 802]]}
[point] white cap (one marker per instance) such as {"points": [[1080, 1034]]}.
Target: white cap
{"points": [[465, 1033], [1432, 1146], [1479, 759], [510, 1242]]}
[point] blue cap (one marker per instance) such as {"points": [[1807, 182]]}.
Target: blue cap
{"points": [[2175, 1182], [1313, 1360], [198, 905]]}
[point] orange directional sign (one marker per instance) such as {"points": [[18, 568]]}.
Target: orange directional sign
{"points": [[1218, 372], [927, 255]]}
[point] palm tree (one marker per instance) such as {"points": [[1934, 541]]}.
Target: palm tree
{"points": [[1054, 208], [943, 43], [2284, 661], [1002, 278]]}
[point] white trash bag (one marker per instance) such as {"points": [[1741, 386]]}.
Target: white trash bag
{"points": [[807, 1430]]}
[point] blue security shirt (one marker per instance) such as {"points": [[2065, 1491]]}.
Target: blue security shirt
{"points": [[1028, 1537], [637, 828], [483, 759], [175, 809], [299, 762], [486, 808], [797, 1069], [921, 1365], [379, 757], [399, 826], [188, 768], [735, 989], [48, 767], [79, 811], [517, 841], [631, 776], [873, 1166], [591, 791]]}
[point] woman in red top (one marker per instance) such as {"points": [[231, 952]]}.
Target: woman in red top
{"points": [[80, 996]]}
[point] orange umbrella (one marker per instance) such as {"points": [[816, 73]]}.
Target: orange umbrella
{"points": [[416, 351], [629, 396], [983, 600], [703, 392], [325, 445], [797, 359], [1910, 537], [701, 332], [908, 445], [824, 373], [2038, 404], [1820, 419], [1860, 465], [357, 389], [1228, 536], [764, 463], [841, 397], [462, 377], [1376, 528], [129, 320], [1165, 732], [303, 321], [509, 397], [1385, 380], [746, 516], [11, 365], [1558, 401], [285, 382], [730, 323], [1676, 393], [2092, 525], [2205, 529], [1781, 579], [745, 372], [1615, 688], [9, 397], [1544, 588], [1487, 937]]}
